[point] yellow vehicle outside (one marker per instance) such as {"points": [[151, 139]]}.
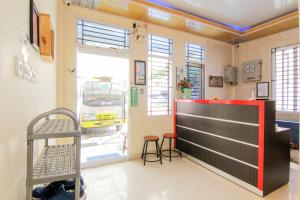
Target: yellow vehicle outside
{"points": [[102, 104], [102, 120]]}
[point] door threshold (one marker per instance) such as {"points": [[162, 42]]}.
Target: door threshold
{"points": [[104, 162]]}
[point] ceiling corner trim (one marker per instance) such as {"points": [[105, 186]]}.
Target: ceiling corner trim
{"points": [[187, 15], [273, 22]]}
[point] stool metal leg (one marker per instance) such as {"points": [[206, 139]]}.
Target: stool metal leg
{"points": [[180, 153], [145, 155], [170, 146], [179, 149], [142, 156], [162, 143], [158, 150]]}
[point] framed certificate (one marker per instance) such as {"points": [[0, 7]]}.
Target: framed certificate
{"points": [[34, 26], [215, 81], [262, 90], [140, 72]]}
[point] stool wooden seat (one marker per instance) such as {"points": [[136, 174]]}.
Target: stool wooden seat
{"points": [[170, 136], [151, 138], [155, 139]]}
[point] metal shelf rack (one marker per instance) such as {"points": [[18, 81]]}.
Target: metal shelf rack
{"points": [[55, 162]]}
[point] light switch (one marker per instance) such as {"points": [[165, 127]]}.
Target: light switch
{"points": [[142, 91]]}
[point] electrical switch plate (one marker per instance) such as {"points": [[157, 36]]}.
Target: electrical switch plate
{"points": [[252, 70], [142, 91]]}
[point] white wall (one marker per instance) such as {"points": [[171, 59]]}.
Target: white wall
{"points": [[218, 55], [261, 49], [21, 100]]}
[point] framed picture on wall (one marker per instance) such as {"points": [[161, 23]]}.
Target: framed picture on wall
{"points": [[215, 81], [34, 26], [262, 90], [140, 72]]}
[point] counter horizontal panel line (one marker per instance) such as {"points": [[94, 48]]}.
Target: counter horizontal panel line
{"points": [[218, 136], [221, 154], [222, 129], [227, 135], [218, 119], [245, 153]]}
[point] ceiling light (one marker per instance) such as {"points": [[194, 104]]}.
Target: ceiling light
{"points": [[280, 3], [194, 3], [158, 14], [86, 3], [119, 4], [193, 24]]}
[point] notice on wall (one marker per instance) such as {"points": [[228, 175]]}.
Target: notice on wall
{"points": [[134, 96]]}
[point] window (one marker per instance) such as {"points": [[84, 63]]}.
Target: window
{"points": [[195, 69], [159, 75], [94, 34], [286, 78]]}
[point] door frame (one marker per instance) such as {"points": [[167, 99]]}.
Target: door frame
{"points": [[112, 52]]}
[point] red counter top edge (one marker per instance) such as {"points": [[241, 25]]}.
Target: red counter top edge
{"points": [[237, 102], [261, 105]]}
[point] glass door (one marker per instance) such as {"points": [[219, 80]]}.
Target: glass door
{"points": [[102, 102]]}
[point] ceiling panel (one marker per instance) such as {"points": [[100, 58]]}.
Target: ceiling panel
{"points": [[238, 14], [163, 14]]}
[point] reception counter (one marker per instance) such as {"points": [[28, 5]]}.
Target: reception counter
{"points": [[235, 139]]}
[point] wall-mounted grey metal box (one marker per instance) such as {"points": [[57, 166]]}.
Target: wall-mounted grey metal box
{"points": [[230, 74], [252, 70]]}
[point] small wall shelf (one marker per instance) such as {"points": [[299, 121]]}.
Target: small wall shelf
{"points": [[46, 38]]}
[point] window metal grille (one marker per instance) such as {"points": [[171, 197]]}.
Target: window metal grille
{"points": [[195, 57], [286, 78], [94, 34], [159, 79]]}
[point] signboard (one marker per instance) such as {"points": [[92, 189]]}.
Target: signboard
{"points": [[140, 72], [134, 96]]}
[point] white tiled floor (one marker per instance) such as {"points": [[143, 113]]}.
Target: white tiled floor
{"points": [[179, 180], [295, 155], [103, 143]]}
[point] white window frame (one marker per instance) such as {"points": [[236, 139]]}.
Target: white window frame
{"points": [[196, 64], [92, 33], [286, 75], [169, 59]]}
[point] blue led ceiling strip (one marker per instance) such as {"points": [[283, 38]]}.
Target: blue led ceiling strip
{"points": [[164, 4]]}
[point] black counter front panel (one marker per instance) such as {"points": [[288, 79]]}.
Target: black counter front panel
{"points": [[241, 132], [245, 153], [236, 169], [223, 136], [243, 113]]}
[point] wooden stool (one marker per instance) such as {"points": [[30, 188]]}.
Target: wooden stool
{"points": [[151, 138], [170, 136]]}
